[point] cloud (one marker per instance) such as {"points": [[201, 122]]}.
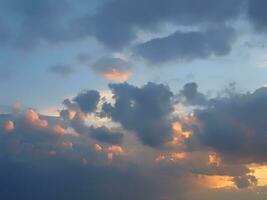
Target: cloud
{"points": [[192, 95], [116, 22], [245, 181], [33, 119], [186, 46], [10, 126], [104, 134], [62, 70], [234, 126], [66, 179], [87, 101], [113, 69], [39, 21], [67, 167], [67, 158], [257, 14], [145, 110]]}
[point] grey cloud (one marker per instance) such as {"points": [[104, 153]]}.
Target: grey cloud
{"points": [[192, 95], [106, 135], [235, 126], [60, 178], [38, 21], [29, 172], [63, 70], [245, 181], [116, 21], [257, 14], [108, 64], [88, 100], [145, 110], [186, 46], [101, 134]]}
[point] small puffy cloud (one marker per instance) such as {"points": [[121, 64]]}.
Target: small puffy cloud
{"points": [[116, 150], [245, 181], [59, 130], [10, 126], [113, 69], [98, 147], [32, 118], [88, 100], [192, 95]]}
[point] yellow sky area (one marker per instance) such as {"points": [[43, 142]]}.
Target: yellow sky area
{"points": [[260, 172], [179, 135], [215, 182], [176, 156]]}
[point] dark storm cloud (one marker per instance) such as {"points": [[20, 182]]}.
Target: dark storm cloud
{"points": [[63, 70], [29, 171], [192, 95], [188, 45], [61, 178], [145, 110], [235, 126], [116, 21], [88, 100]]}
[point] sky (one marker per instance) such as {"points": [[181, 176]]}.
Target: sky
{"points": [[133, 99]]}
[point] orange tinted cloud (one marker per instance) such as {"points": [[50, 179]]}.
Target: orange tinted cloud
{"points": [[116, 75], [110, 157], [67, 144], [214, 160], [179, 135], [52, 153], [260, 172], [33, 118], [215, 181], [17, 106], [172, 157], [10, 126], [58, 130], [98, 147], [116, 150]]}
